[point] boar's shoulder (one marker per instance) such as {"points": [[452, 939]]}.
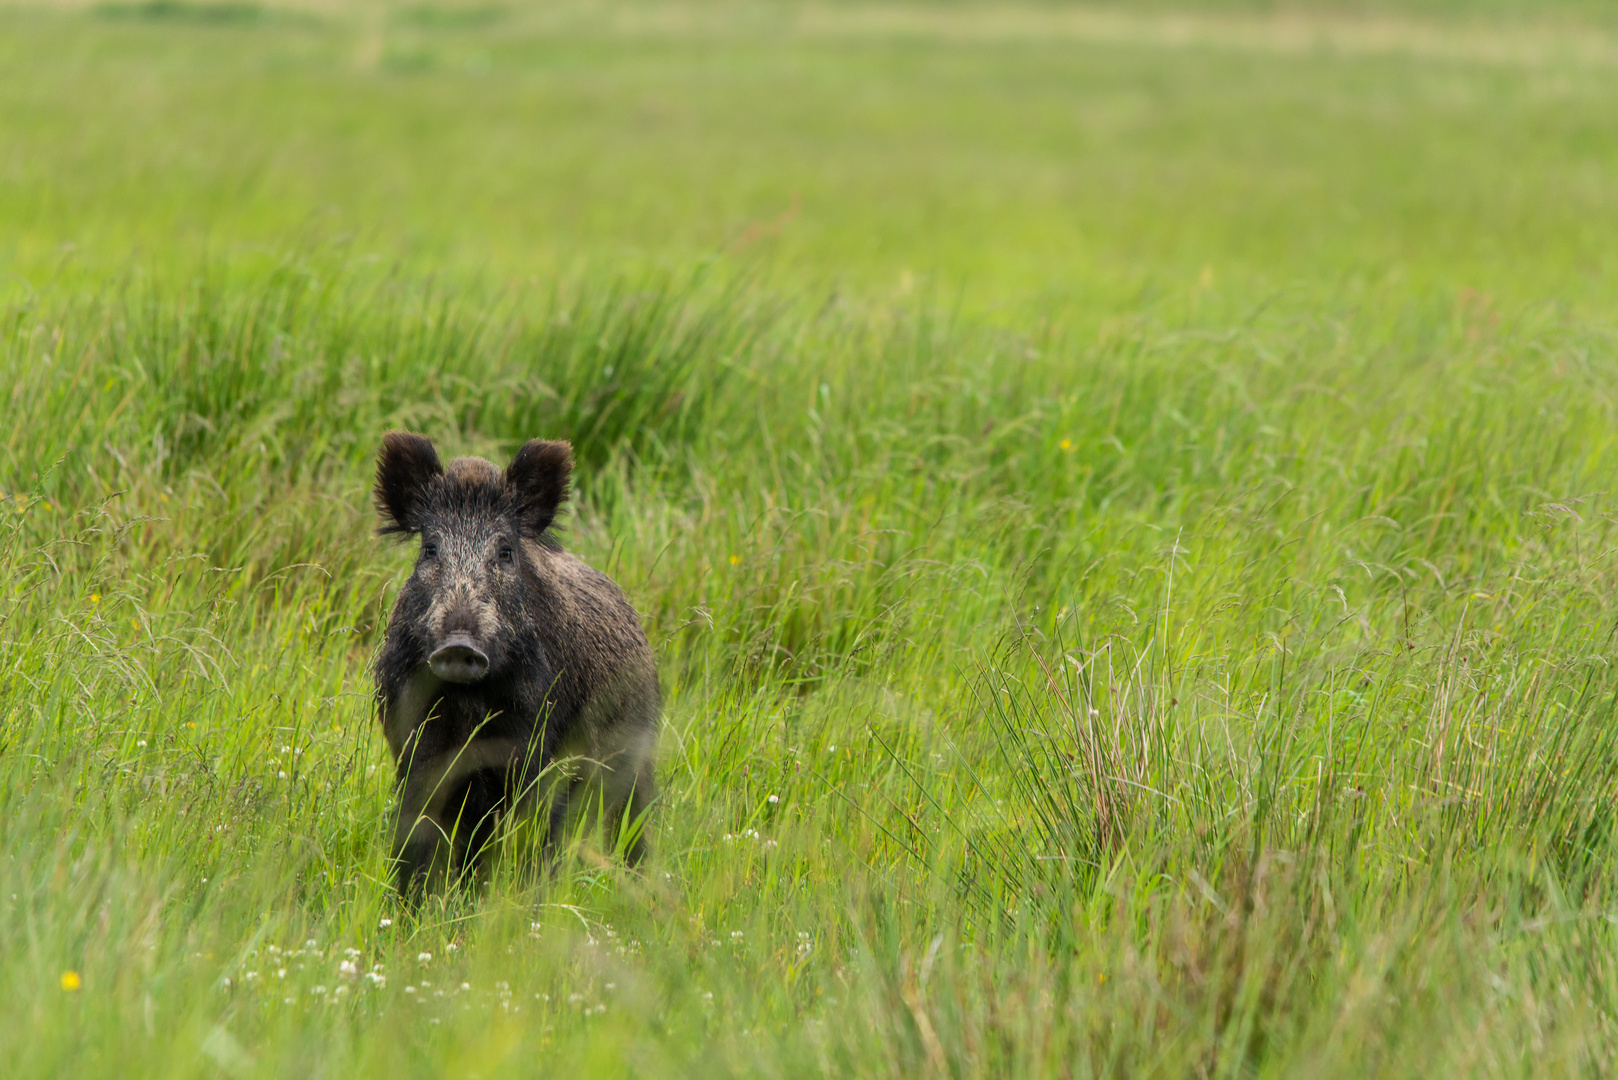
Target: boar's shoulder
{"points": [[590, 626]]}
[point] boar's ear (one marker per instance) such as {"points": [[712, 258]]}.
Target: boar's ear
{"points": [[538, 476], [407, 464]]}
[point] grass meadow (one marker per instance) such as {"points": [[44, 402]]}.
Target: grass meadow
{"points": [[1122, 496]]}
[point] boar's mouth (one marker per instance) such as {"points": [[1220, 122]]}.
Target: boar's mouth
{"points": [[459, 660]]}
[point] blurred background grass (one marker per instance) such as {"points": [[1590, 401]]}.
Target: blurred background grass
{"points": [[1120, 494], [1016, 157]]}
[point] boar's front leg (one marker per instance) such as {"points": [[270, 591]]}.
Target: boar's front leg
{"points": [[422, 847], [448, 811]]}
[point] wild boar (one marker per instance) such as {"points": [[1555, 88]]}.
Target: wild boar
{"points": [[515, 679]]}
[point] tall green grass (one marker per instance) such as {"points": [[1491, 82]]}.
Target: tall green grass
{"points": [[1125, 524], [1212, 696]]}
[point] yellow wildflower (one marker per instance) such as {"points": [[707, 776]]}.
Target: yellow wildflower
{"points": [[735, 560], [71, 980], [1066, 444]]}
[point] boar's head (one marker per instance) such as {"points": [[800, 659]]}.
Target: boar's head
{"points": [[479, 527]]}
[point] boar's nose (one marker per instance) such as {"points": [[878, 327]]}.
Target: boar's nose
{"points": [[458, 660]]}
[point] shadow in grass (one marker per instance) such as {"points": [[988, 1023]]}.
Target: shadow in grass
{"points": [[435, 17], [409, 61], [223, 13]]}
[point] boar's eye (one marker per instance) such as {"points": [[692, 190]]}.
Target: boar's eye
{"points": [[505, 553], [429, 550]]}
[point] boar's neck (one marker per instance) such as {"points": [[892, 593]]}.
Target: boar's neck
{"points": [[496, 708]]}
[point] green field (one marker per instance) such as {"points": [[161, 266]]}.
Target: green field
{"points": [[1123, 498]]}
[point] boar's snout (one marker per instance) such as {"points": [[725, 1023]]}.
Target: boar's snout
{"points": [[459, 660]]}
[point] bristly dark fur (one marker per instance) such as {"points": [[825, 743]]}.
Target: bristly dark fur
{"points": [[406, 468], [540, 474], [567, 711]]}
